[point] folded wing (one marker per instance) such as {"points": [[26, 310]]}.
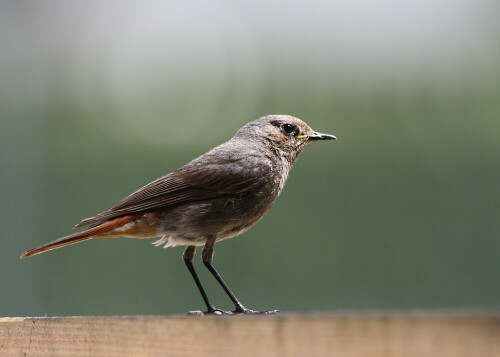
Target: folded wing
{"points": [[187, 184]]}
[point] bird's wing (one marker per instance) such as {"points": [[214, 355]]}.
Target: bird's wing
{"points": [[186, 185]]}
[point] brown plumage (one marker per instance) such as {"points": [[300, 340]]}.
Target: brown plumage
{"points": [[216, 196], [113, 228]]}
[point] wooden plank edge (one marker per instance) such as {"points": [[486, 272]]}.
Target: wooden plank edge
{"points": [[426, 333]]}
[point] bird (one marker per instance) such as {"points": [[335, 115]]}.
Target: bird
{"points": [[217, 196]]}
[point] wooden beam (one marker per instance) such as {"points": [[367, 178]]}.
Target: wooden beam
{"points": [[356, 335]]}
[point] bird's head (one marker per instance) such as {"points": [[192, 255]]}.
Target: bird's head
{"points": [[285, 133]]}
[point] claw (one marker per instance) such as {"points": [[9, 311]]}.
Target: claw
{"points": [[244, 311], [216, 312]]}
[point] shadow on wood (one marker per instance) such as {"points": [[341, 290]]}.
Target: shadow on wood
{"points": [[356, 335]]}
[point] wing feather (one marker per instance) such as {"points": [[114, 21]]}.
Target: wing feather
{"points": [[190, 183]]}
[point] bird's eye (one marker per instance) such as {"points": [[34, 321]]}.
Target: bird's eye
{"points": [[288, 128]]}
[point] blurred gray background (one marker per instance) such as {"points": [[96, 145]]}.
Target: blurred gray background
{"points": [[98, 98]]}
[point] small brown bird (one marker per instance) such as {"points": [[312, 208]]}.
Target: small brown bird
{"points": [[218, 195]]}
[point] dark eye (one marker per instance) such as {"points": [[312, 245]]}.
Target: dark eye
{"points": [[288, 128]]}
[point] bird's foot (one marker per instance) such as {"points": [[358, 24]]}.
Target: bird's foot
{"points": [[213, 311], [239, 311]]}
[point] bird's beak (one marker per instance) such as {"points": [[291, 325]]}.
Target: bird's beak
{"points": [[315, 136]]}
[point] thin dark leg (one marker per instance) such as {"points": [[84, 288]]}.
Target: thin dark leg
{"points": [[207, 257], [188, 257]]}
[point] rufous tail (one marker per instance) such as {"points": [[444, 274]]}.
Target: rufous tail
{"points": [[103, 230]]}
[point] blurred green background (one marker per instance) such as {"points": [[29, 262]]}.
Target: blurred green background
{"points": [[402, 212]]}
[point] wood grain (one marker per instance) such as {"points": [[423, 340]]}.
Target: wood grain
{"points": [[356, 335]]}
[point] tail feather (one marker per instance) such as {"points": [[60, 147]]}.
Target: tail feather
{"points": [[99, 231]]}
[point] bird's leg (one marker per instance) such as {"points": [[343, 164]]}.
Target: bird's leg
{"points": [[188, 257], [207, 257]]}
